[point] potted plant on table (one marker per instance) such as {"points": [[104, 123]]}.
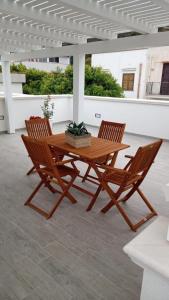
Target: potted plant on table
{"points": [[77, 135], [48, 109]]}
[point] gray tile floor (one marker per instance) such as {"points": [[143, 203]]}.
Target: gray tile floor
{"points": [[74, 255]]}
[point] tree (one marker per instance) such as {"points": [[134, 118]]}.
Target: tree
{"points": [[98, 82]]}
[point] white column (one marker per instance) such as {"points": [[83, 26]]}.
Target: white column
{"points": [[6, 75], [78, 86]]}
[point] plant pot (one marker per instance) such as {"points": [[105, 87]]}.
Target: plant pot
{"points": [[78, 141], [51, 123]]}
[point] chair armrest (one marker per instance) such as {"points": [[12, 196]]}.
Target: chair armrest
{"points": [[63, 162], [129, 156], [113, 170], [129, 162]]}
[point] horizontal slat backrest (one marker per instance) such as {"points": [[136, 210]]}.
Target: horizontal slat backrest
{"points": [[111, 131], [39, 152], [144, 158], [38, 128]]}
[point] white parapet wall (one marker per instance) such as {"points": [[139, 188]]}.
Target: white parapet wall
{"points": [[29, 105], [143, 117]]}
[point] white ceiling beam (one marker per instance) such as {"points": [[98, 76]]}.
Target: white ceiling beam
{"points": [[162, 3], [50, 34], [6, 48], [110, 15], [5, 51], [16, 46], [29, 40], [59, 52], [14, 8], [117, 45]]}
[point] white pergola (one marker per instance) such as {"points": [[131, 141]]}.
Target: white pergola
{"points": [[49, 28]]}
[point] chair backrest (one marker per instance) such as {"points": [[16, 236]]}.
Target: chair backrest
{"points": [[39, 152], [38, 127], [144, 158], [111, 131]]}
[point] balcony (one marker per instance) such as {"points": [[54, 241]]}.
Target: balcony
{"points": [[75, 254], [157, 90]]}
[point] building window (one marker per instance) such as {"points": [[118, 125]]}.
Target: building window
{"points": [[128, 81], [54, 59]]}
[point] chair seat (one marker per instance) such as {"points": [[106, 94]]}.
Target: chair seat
{"points": [[63, 171], [117, 176]]}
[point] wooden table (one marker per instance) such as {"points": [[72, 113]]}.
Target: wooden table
{"points": [[99, 148]]}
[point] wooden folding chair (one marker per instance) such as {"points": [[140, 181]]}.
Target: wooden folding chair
{"points": [[49, 171], [109, 131], [128, 179], [37, 128]]}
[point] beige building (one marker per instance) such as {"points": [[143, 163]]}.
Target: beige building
{"points": [[158, 71], [142, 73]]}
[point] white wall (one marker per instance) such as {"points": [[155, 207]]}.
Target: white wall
{"points": [[125, 62], [16, 88], [144, 117], [26, 106], [2, 113], [17, 81]]}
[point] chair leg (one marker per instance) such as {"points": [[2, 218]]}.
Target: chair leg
{"points": [[129, 194], [67, 194], [146, 201], [86, 174], [116, 201], [71, 198], [30, 171], [55, 206], [92, 202], [136, 188], [34, 192], [51, 188]]}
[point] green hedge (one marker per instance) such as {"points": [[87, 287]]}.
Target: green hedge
{"points": [[98, 82]]}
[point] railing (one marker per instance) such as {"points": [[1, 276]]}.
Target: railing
{"points": [[142, 116], [157, 88]]}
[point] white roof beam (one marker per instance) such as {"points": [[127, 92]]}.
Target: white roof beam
{"points": [[162, 3], [123, 44], [26, 39], [110, 14], [8, 47], [50, 34], [14, 8]]}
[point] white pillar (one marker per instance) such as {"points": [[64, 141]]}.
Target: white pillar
{"points": [[78, 86], [6, 75]]}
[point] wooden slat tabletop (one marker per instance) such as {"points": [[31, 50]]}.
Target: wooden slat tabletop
{"points": [[99, 147]]}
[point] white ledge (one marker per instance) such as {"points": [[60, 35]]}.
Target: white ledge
{"points": [[150, 249], [93, 98], [129, 100]]}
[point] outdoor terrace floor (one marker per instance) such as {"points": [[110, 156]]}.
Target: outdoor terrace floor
{"points": [[75, 254]]}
